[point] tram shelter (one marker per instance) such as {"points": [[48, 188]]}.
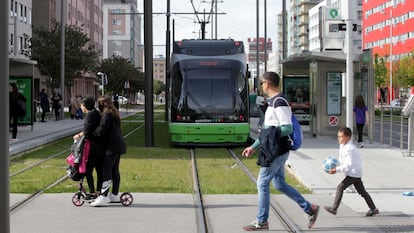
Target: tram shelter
{"points": [[321, 81]]}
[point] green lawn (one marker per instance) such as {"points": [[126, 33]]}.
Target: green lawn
{"points": [[161, 168]]}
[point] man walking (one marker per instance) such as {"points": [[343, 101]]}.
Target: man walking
{"points": [[274, 151]]}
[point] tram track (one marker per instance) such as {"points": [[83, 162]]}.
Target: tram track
{"points": [[201, 210], [201, 217], [283, 217], [31, 197], [16, 206]]}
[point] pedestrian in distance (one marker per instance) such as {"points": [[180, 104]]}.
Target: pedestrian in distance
{"points": [[44, 104], [276, 128], [261, 103], [56, 104], [91, 123], [75, 108], [17, 105], [116, 102], [350, 163], [361, 117], [113, 145]]}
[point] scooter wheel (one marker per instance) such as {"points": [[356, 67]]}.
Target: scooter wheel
{"points": [[126, 199], [78, 199]]}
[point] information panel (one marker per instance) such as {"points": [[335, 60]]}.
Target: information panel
{"points": [[333, 93], [25, 85]]}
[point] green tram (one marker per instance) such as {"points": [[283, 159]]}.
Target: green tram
{"points": [[208, 93]]}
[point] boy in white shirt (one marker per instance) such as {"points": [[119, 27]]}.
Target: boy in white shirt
{"points": [[351, 165]]}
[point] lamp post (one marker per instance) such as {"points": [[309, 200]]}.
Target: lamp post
{"points": [[391, 44], [103, 81]]}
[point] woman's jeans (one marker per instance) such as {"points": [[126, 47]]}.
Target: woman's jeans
{"points": [[276, 174]]}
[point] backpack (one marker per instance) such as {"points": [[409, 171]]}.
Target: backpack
{"points": [[296, 137]]}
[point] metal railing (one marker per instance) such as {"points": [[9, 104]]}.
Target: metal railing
{"points": [[393, 128]]}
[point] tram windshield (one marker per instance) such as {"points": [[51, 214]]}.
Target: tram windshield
{"points": [[209, 91]]}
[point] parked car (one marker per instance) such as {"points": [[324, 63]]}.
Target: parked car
{"points": [[122, 100]]}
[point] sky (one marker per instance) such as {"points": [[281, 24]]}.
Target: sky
{"points": [[238, 22]]}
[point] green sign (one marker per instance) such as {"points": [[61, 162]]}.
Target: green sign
{"points": [[332, 13], [25, 87]]}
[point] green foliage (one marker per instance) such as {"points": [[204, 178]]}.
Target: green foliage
{"points": [[380, 71], [79, 55], [404, 71], [158, 87], [119, 70]]}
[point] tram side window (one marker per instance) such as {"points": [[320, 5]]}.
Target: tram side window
{"points": [[177, 83]]}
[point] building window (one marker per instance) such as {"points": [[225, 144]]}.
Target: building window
{"points": [[116, 11], [117, 43], [116, 32], [116, 53], [15, 8], [116, 22]]}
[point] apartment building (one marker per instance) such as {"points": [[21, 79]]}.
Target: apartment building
{"points": [[298, 25], [389, 27], [85, 14], [159, 68], [122, 31]]}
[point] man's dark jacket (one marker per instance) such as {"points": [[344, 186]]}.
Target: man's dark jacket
{"points": [[272, 145]]}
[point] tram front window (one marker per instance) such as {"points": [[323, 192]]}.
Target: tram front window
{"points": [[209, 92]]}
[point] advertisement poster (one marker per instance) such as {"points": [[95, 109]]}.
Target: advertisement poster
{"points": [[334, 93], [296, 89], [24, 85]]}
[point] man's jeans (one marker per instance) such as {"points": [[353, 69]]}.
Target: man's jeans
{"points": [[276, 174]]}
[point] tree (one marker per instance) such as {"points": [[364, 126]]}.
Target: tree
{"points": [[118, 71], [405, 71], [79, 56], [380, 71], [159, 87]]}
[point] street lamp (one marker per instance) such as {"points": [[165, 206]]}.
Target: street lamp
{"points": [[391, 23], [391, 44], [104, 81]]}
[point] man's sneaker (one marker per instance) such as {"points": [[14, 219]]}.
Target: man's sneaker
{"points": [[330, 210], [372, 212], [114, 198], [101, 201], [257, 226], [313, 215]]}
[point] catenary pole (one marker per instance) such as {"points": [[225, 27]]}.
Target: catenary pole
{"points": [[256, 84], [167, 59], [62, 56], [148, 85], [4, 118], [349, 69]]}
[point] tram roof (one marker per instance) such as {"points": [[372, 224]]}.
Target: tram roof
{"points": [[208, 47]]}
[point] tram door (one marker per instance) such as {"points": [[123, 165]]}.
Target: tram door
{"points": [[296, 89]]}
